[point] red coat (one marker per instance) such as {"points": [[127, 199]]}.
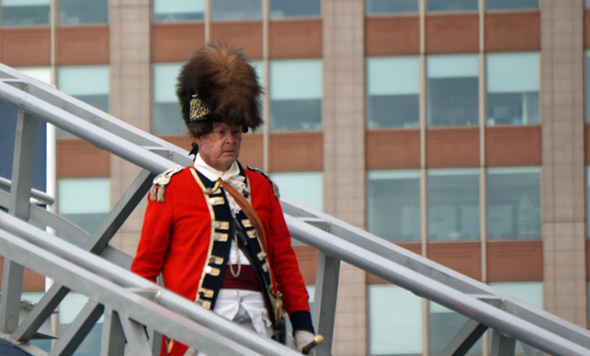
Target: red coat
{"points": [[177, 233]]}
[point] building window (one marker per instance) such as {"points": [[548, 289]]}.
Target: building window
{"points": [[24, 13], [395, 321], [290, 184], [514, 203], [87, 83], [513, 81], [444, 324], [236, 10], [453, 204], [296, 95], [76, 12], [84, 201], [167, 113], [453, 89], [393, 205], [587, 84], [302, 8], [451, 5], [391, 6], [179, 10], [511, 4], [393, 90]]}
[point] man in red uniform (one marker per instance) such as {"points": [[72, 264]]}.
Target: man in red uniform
{"points": [[216, 230]]}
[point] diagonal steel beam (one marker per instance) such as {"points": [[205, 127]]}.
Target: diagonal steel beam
{"points": [[465, 339], [96, 244], [78, 330], [113, 339]]}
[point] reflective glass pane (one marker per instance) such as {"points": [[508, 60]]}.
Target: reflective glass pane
{"points": [[511, 4], [453, 204], [291, 186], [395, 321], [300, 8], [514, 203], [296, 95], [452, 90], [24, 12], [77, 12], [236, 10], [74, 197], [444, 325], [87, 83], [451, 5], [178, 10], [391, 6], [393, 90], [513, 82], [393, 205], [167, 113], [40, 73]]}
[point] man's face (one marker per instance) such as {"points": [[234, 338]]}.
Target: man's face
{"points": [[221, 147]]}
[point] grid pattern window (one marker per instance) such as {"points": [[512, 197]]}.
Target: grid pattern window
{"points": [[303, 187], [393, 205], [514, 203], [395, 321], [376, 7], [296, 95], [393, 90], [512, 4], [513, 82], [178, 10], [76, 12], [451, 5], [167, 114], [444, 324], [24, 13], [453, 204], [236, 10], [84, 201], [452, 90], [288, 8]]}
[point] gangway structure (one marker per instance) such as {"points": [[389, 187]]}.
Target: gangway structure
{"points": [[137, 312]]}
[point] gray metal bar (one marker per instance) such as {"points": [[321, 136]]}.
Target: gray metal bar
{"points": [[91, 133], [42, 197], [136, 336], [113, 339], [22, 174], [120, 212], [40, 312], [96, 243], [529, 351], [465, 339], [434, 290], [78, 330], [501, 345], [175, 316], [324, 304]]}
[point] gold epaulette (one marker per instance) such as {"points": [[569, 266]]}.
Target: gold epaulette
{"points": [[159, 184]]}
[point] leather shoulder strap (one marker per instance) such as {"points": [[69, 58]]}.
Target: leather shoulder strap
{"points": [[248, 210]]}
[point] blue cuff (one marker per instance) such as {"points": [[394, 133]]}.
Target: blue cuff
{"points": [[301, 320]]}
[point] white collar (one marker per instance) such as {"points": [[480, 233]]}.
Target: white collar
{"points": [[213, 174]]}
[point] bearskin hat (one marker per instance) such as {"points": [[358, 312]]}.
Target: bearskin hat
{"points": [[217, 83]]}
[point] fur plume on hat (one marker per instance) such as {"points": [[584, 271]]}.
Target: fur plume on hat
{"points": [[226, 84]]}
